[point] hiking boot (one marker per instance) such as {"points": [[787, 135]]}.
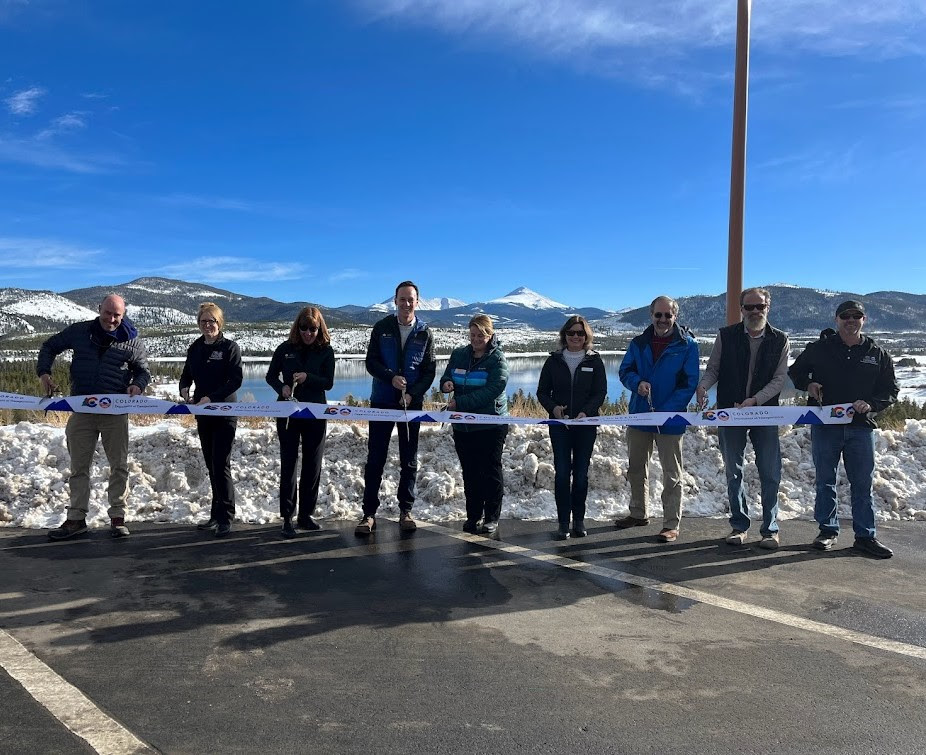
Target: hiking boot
{"points": [[223, 530], [871, 547], [288, 530], [308, 524], [69, 528], [667, 536], [770, 541], [737, 537], [209, 524], [471, 526], [365, 526], [825, 541], [630, 521], [117, 527], [406, 523]]}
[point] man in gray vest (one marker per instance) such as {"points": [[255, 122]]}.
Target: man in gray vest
{"points": [[108, 357], [749, 364]]}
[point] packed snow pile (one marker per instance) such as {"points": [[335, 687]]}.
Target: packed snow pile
{"points": [[169, 481]]}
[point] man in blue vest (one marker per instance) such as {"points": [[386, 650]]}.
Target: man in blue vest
{"points": [[400, 357], [749, 365]]}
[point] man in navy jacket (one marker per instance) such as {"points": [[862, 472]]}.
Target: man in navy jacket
{"points": [[660, 369], [400, 357]]}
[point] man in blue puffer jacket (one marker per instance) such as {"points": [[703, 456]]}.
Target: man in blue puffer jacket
{"points": [[108, 357], [400, 357], [660, 370]]}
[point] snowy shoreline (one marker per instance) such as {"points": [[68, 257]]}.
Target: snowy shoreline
{"points": [[169, 483]]}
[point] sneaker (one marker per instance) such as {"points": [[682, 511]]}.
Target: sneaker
{"points": [[365, 526], [667, 536], [117, 527], [70, 528], [406, 523], [288, 530], [825, 541], [737, 537], [871, 547], [770, 541], [209, 524], [223, 530], [488, 528], [308, 524], [471, 526]]}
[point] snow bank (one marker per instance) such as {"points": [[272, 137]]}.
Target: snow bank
{"points": [[169, 481]]}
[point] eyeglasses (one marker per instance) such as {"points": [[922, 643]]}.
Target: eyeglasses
{"points": [[576, 333], [208, 322], [660, 315], [754, 307], [851, 316], [308, 329]]}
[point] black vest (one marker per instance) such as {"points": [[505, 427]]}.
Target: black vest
{"points": [[734, 364]]}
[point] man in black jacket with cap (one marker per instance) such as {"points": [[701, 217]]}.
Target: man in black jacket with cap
{"points": [[845, 367]]}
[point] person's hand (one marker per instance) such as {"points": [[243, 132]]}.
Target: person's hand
{"points": [[286, 392], [644, 388], [815, 391], [299, 377], [581, 415], [185, 394], [701, 395], [447, 386], [746, 403], [861, 406], [558, 412], [399, 383], [134, 390], [204, 400], [47, 384], [452, 404]]}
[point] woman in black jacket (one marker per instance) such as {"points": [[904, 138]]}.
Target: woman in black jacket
{"points": [[573, 384], [302, 369], [213, 363]]}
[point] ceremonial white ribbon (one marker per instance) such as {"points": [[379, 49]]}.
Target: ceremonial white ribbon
{"points": [[837, 414]]}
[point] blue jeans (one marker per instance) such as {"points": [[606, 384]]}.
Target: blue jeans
{"points": [[768, 462], [572, 453], [856, 445]]}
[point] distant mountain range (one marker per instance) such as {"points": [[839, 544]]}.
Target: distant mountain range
{"points": [[155, 302]]}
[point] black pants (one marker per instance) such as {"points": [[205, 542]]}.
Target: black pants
{"points": [[378, 452], [572, 453], [216, 435], [311, 434], [480, 453]]}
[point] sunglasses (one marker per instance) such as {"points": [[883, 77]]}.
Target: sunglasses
{"points": [[308, 329], [660, 315], [851, 316], [754, 307], [576, 333], [208, 322]]}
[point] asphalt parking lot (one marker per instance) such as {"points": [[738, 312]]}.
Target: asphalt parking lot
{"points": [[173, 641]]}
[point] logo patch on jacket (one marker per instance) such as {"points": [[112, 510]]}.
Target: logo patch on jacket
{"points": [[215, 355], [868, 359]]}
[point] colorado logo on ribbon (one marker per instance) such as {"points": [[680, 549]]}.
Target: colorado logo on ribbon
{"points": [[712, 416], [93, 402], [838, 411]]}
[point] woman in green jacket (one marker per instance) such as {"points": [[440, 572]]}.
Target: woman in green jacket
{"points": [[477, 376]]}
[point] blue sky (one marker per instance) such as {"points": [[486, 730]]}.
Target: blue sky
{"points": [[326, 150]]}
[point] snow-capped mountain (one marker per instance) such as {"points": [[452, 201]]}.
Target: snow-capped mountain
{"points": [[525, 297], [22, 310], [425, 305]]}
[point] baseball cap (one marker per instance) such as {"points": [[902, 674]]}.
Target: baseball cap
{"points": [[850, 306]]}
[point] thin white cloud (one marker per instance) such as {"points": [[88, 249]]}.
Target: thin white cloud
{"points": [[24, 102], [42, 152], [28, 253], [63, 124], [350, 273], [94, 95], [648, 40], [231, 269], [821, 165], [209, 202]]}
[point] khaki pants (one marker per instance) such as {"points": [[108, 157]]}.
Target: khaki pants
{"points": [[82, 432], [639, 449]]}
